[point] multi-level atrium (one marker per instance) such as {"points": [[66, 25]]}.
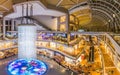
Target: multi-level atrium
{"points": [[71, 37]]}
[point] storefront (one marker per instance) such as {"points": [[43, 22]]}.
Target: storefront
{"points": [[69, 60], [52, 45], [2, 55], [59, 57], [118, 63], [46, 52], [69, 50], [60, 47], [6, 44], [76, 46], [43, 44]]}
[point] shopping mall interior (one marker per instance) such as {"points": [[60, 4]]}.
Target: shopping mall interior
{"points": [[59, 37]]}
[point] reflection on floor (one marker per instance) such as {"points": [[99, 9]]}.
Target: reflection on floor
{"points": [[54, 68]]}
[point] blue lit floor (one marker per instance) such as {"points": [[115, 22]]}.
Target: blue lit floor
{"points": [[54, 68], [27, 67]]}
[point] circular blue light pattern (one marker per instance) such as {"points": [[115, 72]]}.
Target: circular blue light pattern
{"points": [[27, 67]]}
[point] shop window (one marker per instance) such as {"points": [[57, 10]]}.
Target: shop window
{"points": [[72, 18], [62, 27], [62, 19]]}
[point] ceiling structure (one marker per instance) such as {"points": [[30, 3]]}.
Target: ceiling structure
{"points": [[79, 8], [107, 10], [20, 10], [5, 6]]}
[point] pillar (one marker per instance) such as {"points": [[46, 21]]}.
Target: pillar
{"points": [[26, 41], [0, 26], [4, 28], [68, 37], [58, 23], [67, 22], [9, 25], [13, 25], [67, 27]]}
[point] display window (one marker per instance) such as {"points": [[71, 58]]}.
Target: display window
{"points": [[1, 46], [69, 50], [60, 47], [62, 27], [76, 47], [118, 65], [62, 19], [68, 60], [2, 55], [52, 45]]}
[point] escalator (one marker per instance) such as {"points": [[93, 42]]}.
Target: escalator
{"points": [[91, 54], [39, 25]]}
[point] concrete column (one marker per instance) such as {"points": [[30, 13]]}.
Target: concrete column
{"points": [[16, 25], [68, 37], [58, 24], [4, 28], [67, 22], [13, 25], [0, 26], [26, 41], [67, 27], [8, 25]]}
